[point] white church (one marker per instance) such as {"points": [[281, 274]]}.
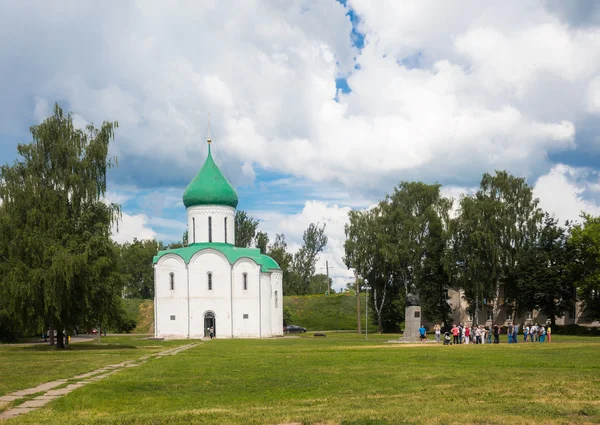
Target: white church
{"points": [[211, 282]]}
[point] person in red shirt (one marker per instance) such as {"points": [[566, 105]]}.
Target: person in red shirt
{"points": [[455, 333], [467, 334]]}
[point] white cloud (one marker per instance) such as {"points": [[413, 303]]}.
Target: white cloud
{"points": [[294, 225], [498, 86], [562, 192], [41, 109], [594, 96], [132, 226], [501, 85]]}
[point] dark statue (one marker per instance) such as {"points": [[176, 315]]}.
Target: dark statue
{"points": [[412, 297]]}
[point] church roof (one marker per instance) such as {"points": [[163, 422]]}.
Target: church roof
{"points": [[231, 252], [210, 187]]}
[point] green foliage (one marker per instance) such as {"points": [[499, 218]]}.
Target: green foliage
{"points": [[304, 261], [245, 229], [318, 285], [574, 329], [584, 241], [262, 242], [8, 330], [136, 268], [287, 315], [127, 325], [278, 252], [494, 228], [62, 267], [400, 244], [543, 278]]}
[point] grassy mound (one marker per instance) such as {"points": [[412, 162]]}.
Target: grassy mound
{"points": [[326, 312], [143, 312]]}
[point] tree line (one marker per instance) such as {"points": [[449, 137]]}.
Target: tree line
{"points": [[497, 245]]}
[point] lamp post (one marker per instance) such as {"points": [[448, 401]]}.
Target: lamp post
{"points": [[367, 289]]}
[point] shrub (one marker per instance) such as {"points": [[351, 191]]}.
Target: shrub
{"points": [[8, 331], [128, 325], [574, 329]]}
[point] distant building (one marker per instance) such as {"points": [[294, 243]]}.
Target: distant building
{"points": [[461, 314], [211, 282]]}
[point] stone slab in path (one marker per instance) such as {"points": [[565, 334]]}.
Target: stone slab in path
{"points": [[40, 388], [87, 375], [15, 412], [46, 397], [62, 391], [34, 403], [8, 398]]}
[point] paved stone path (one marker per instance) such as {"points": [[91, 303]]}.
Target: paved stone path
{"points": [[52, 390]]}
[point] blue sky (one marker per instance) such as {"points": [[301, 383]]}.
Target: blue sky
{"points": [[316, 108]]}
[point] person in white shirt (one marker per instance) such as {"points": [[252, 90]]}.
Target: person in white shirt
{"points": [[533, 333]]}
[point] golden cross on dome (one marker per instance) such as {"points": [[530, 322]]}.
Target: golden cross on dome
{"points": [[208, 130]]}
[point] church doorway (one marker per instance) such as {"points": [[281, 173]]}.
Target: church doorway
{"points": [[209, 322]]}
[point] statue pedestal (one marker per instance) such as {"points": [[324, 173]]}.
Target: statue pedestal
{"points": [[412, 319]]}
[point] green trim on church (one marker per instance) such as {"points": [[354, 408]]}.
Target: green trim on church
{"points": [[231, 252], [210, 187]]}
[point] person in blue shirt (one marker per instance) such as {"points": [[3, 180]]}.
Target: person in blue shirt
{"points": [[423, 333]]}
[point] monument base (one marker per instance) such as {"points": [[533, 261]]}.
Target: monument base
{"points": [[412, 323]]}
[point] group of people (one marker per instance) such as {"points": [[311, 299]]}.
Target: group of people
{"points": [[460, 334]]}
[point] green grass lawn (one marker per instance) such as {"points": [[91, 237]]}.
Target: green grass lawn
{"points": [[343, 379], [27, 366]]}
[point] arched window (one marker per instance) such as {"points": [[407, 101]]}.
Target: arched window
{"points": [[172, 280], [210, 281], [276, 300], [245, 275], [210, 229], [225, 220], [193, 230]]}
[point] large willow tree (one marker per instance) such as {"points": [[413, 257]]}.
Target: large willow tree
{"points": [[60, 266]]}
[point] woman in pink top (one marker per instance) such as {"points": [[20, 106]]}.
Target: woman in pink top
{"points": [[455, 333]]}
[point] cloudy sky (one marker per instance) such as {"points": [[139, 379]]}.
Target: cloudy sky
{"points": [[316, 106]]}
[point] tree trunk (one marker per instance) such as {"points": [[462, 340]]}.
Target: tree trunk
{"points": [[357, 302], [496, 305], [379, 309], [60, 341]]}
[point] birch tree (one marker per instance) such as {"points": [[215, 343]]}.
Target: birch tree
{"points": [[61, 266], [498, 223]]}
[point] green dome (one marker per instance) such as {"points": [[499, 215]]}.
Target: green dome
{"points": [[210, 187]]}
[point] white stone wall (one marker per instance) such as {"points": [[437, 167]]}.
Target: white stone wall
{"points": [[246, 301], [198, 219], [277, 310], [227, 300], [266, 304], [171, 302], [217, 299]]}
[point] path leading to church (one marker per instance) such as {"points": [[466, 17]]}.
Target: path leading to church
{"points": [[49, 391]]}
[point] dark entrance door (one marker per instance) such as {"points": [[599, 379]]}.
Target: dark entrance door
{"points": [[209, 321]]}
